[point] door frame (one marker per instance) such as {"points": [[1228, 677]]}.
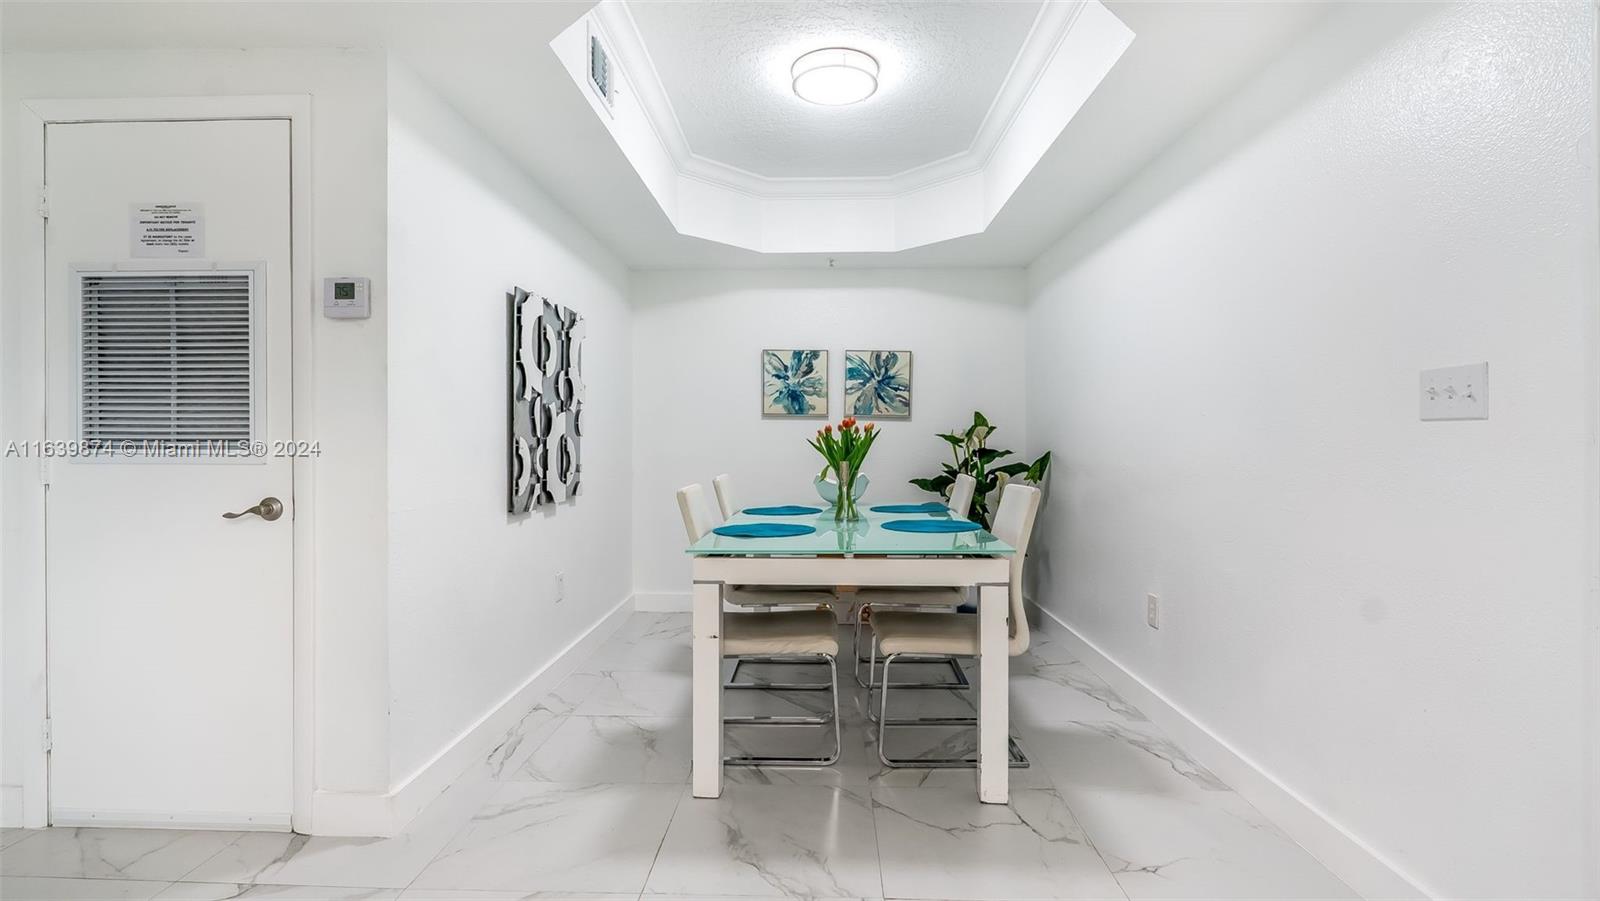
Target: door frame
{"points": [[1592, 664], [28, 565]]}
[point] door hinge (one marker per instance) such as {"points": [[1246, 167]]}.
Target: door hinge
{"points": [[49, 737], [44, 201]]}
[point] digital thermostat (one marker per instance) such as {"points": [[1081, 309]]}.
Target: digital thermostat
{"points": [[347, 297]]}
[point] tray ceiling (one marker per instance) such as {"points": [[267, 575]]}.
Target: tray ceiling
{"points": [[971, 97], [725, 68]]}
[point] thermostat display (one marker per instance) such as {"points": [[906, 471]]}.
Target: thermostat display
{"points": [[346, 298]]}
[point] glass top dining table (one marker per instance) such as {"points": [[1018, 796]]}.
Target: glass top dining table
{"points": [[865, 537], [862, 554]]}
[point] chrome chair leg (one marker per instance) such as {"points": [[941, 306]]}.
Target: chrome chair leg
{"points": [[872, 668], [783, 720], [1018, 759], [855, 652], [734, 683], [838, 729], [872, 715]]}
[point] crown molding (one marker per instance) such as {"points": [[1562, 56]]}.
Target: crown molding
{"points": [[1039, 49]]}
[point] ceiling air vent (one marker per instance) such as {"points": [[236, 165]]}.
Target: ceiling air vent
{"points": [[167, 358], [599, 68]]}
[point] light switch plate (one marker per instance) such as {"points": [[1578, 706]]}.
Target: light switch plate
{"points": [[1457, 392]]}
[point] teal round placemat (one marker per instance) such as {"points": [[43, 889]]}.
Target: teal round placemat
{"points": [[764, 530], [930, 525], [929, 507], [782, 510]]}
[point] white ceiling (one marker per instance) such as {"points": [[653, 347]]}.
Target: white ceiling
{"points": [[725, 67], [490, 60]]}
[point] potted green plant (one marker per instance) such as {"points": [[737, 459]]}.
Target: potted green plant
{"points": [[971, 454]]}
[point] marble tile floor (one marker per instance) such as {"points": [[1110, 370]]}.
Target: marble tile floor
{"points": [[587, 797]]}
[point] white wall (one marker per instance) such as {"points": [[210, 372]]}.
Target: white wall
{"points": [[10, 762], [697, 339], [1389, 616], [344, 365], [472, 611]]}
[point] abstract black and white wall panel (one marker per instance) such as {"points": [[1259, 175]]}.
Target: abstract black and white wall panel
{"points": [[546, 403]]}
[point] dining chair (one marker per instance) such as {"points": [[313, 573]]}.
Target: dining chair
{"points": [[723, 486], [961, 493], [772, 636], [789, 596], [697, 522], [899, 633], [960, 504]]}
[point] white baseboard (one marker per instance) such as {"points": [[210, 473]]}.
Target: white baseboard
{"points": [[1348, 857], [662, 602], [231, 821], [373, 814], [10, 806], [363, 814]]}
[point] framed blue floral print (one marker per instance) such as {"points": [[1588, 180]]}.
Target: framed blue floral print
{"points": [[794, 383], [877, 383]]}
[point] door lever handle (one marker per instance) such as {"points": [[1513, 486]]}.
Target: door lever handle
{"points": [[269, 509]]}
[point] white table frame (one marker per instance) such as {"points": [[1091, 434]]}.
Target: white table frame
{"points": [[991, 575]]}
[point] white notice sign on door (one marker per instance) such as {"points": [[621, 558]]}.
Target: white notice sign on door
{"points": [[166, 230]]}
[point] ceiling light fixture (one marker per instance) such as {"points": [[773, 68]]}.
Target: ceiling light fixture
{"points": [[835, 76]]}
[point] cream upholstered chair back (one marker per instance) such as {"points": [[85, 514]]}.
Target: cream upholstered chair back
{"points": [[723, 486], [1013, 524], [696, 517], [961, 495]]}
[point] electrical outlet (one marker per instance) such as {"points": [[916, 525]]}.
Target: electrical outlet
{"points": [[561, 587], [1152, 611]]}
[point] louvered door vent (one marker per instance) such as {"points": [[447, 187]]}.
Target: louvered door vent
{"points": [[167, 358]]}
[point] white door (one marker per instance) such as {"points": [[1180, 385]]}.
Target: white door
{"points": [[168, 343]]}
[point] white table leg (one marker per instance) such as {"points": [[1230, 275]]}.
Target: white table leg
{"points": [[994, 694], [707, 678]]}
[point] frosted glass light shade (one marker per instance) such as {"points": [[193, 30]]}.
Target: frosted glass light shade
{"points": [[835, 76]]}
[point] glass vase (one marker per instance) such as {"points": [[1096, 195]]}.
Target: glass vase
{"points": [[844, 506]]}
